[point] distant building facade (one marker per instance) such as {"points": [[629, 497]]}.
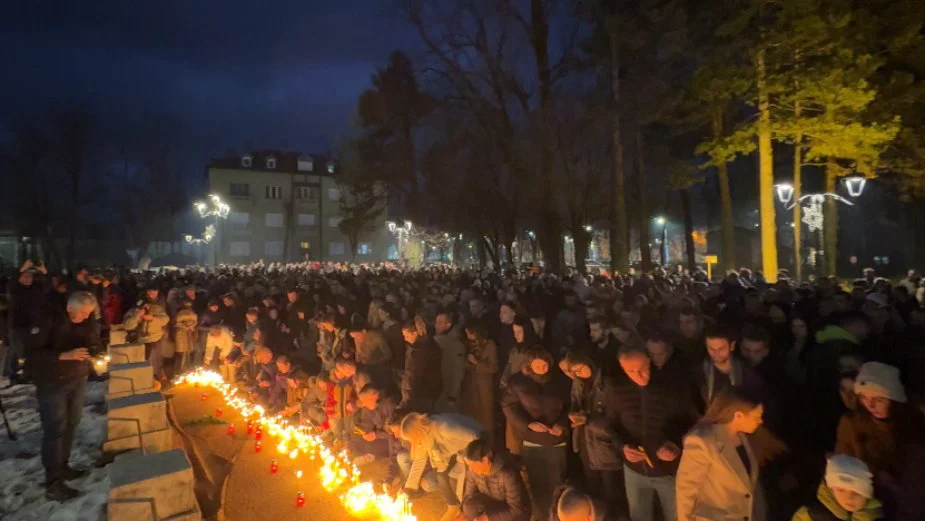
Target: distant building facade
{"points": [[285, 207]]}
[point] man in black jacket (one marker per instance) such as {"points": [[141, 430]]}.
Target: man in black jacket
{"points": [[60, 362], [27, 300], [652, 417], [494, 489]]}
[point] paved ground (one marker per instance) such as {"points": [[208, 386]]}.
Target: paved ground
{"points": [[251, 492]]}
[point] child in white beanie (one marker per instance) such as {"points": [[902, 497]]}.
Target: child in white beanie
{"points": [[846, 493]]}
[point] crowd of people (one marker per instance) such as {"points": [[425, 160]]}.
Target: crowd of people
{"points": [[654, 396]]}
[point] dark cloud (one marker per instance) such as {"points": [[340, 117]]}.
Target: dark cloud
{"points": [[233, 73]]}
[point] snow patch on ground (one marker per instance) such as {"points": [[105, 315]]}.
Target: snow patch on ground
{"points": [[22, 496]]}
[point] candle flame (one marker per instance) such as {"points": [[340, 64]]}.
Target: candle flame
{"points": [[336, 472]]}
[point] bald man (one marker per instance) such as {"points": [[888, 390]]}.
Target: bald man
{"points": [[572, 504]]}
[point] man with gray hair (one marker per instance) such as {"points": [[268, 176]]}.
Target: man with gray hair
{"points": [[60, 363]]}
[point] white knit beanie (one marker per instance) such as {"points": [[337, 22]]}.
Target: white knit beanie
{"points": [[849, 473], [877, 379]]}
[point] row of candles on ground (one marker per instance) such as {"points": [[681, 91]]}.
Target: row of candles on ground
{"points": [[335, 471]]}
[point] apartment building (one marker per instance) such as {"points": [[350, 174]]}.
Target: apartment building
{"points": [[285, 207]]}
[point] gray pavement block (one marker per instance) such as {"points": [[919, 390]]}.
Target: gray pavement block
{"points": [[156, 487], [139, 413], [129, 379], [123, 353]]}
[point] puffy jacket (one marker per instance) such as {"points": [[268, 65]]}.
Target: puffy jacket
{"points": [[648, 417], [597, 438], [530, 398], [504, 485], [147, 331]]}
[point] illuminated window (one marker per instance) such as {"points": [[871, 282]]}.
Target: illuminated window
{"points": [[365, 248], [271, 163], [247, 161], [330, 167], [304, 245], [274, 192]]}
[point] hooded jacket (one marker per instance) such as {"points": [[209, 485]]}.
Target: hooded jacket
{"points": [[147, 331]]}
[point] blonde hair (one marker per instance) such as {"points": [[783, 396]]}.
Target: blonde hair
{"points": [[415, 427]]}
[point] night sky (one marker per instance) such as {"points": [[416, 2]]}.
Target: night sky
{"points": [[234, 74]]}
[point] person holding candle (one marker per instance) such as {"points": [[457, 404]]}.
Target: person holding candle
{"points": [[60, 365], [438, 439], [370, 439]]}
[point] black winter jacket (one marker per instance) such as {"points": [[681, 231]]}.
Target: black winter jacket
{"points": [[528, 398], [60, 335], [648, 417]]}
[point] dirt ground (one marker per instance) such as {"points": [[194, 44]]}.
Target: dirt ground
{"points": [[250, 491]]}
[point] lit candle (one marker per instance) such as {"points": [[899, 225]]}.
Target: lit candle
{"points": [[294, 454], [231, 430], [274, 466], [204, 397], [298, 474], [250, 426], [218, 412], [257, 446], [300, 499]]}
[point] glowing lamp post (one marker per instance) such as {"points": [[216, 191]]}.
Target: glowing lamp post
{"points": [[813, 214], [213, 207], [661, 221], [402, 232]]}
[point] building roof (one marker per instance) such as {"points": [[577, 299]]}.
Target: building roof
{"points": [[286, 162]]}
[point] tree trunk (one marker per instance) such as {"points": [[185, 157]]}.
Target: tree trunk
{"points": [[830, 220], [727, 256], [645, 251], [688, 229], [766, 175], [797, 193], [482, 253], [619, 232]]}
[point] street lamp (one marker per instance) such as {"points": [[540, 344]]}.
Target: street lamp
{"points": [[212, 207], [661, 221], [402, 233], [784, 192], [855, 185]]}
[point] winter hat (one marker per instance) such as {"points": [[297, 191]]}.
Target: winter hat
{"points": [[878, 379], [849, 473]]}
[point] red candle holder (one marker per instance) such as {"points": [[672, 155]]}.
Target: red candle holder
{"points": [[218, 412], [274, 466], [300, 499], [231, 430], [250, 427], [259, 434], [257, 446]]}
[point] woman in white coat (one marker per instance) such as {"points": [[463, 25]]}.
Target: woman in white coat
{"points": [[717, 478]]}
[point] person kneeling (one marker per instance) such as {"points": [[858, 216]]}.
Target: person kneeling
{"points": [[846, 493], [494, 489]]}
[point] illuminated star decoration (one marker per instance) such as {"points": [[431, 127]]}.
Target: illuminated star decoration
{"points": [[206, 237]]}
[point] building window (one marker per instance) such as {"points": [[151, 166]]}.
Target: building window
{"points": [[242, 218], [304, 245], [273, 248], [274, 220], [239, 190], [306, 219], [271, 163], [334, 194], [305, 192], [239, 248], [330, 167], [334, 222], [274, 192], [306, 164], [247, 161], [335, 248], [365, 248]]}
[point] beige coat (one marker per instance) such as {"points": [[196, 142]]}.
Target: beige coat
{"points": [[712, 484]]}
